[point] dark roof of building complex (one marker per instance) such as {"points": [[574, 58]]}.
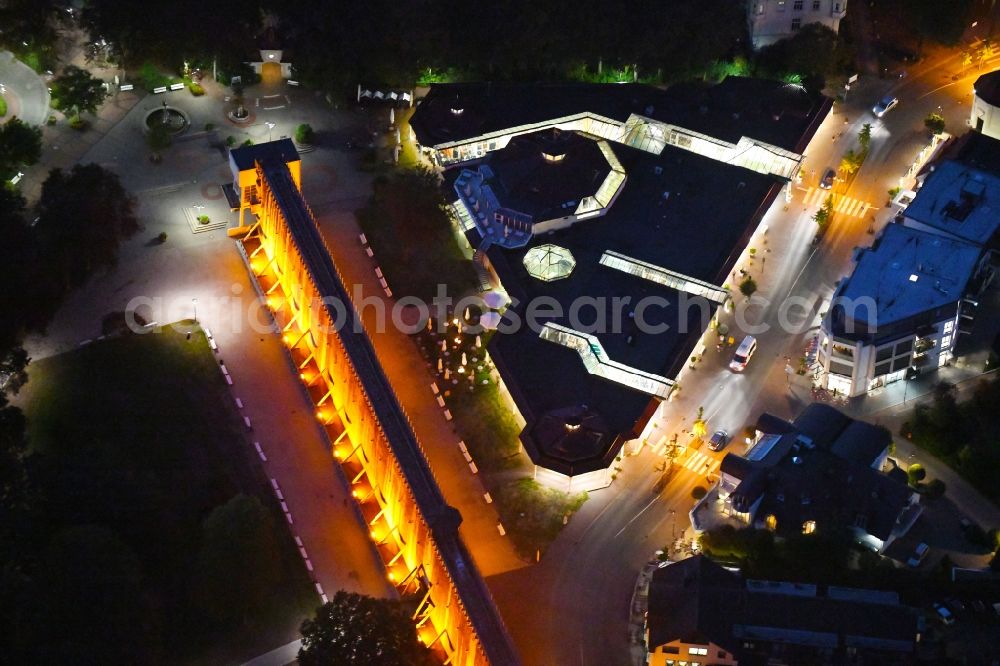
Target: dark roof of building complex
{"points": [[698, 601], [959, 200], [783, 115], [974, 149], [281, 150], [906, 276], [819, 468], [442, 519], [987, 88], [677, 210], [539, 173]]}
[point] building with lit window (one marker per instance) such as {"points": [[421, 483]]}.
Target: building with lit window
{"points": [[624, 206], [821, 473], [912, 293], [702, 614], [899, 311], [772, 20]]}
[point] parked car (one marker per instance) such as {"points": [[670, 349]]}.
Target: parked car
{"points": [[944, 614], [955, 605], [884, 106], [743, 354], [718, 440], [827, 182], [919, 554]]}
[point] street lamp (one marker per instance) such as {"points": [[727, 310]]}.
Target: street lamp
{"points": [[270, 126], [194, 302]]}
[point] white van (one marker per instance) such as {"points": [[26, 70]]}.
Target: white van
{"points": [[743, 354]]}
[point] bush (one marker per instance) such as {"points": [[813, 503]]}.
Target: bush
{"points": [[162, 237], [209, 127], [698, 493], [196, 89], [78, 123], [51, 120], [304, 134], [934, 122], [748, 287], [248, 142], [916, 473], [230, 141], [203, 219]]}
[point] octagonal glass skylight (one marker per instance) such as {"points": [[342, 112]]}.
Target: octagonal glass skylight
{"points": [[549, 262]]}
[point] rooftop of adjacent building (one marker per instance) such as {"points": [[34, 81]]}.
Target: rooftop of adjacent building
{"points": [[959, 200], [679, 211], [698, 601], [774, 112], [974, 149], [987, 88], [819, 469], [905, 273]]}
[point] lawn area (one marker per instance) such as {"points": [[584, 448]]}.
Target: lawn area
{"points": [[487, 427], [533, 515], [137, 450], [411, 234]]}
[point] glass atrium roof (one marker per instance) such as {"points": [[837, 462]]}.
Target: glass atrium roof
{"points": [[549, 262]]}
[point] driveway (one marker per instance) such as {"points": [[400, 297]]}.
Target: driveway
{"points": [[26, 93]]}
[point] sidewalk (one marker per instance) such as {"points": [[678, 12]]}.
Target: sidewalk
{"points": [[407, 371]]}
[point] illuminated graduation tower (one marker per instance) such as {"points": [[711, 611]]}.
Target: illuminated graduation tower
{"points": [[415, 530]]}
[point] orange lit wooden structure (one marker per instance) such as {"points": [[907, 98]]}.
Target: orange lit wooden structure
{"points": [[414, 529]]}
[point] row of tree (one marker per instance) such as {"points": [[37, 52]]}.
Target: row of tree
{"points": [[394, 41]]}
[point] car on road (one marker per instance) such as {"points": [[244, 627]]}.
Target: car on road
{"points": [[944, 614], [743, 354], [884, 106], [718, 440], [827, 182], [919, 554]]}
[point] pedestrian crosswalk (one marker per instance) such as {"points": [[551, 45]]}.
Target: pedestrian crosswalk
{"points": [[700, 463], [843, 205]]}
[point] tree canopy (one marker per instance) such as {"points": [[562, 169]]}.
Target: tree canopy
{"points": [[358, 630], [393, 41], [174, 32], [84, 215], [238, 560], [965, 435], [76, 91], [20, 145], [808, 57], [28, 28]]}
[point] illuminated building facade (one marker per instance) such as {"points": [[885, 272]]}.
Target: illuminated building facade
{"points": [[414, 529], [772, 20]]}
